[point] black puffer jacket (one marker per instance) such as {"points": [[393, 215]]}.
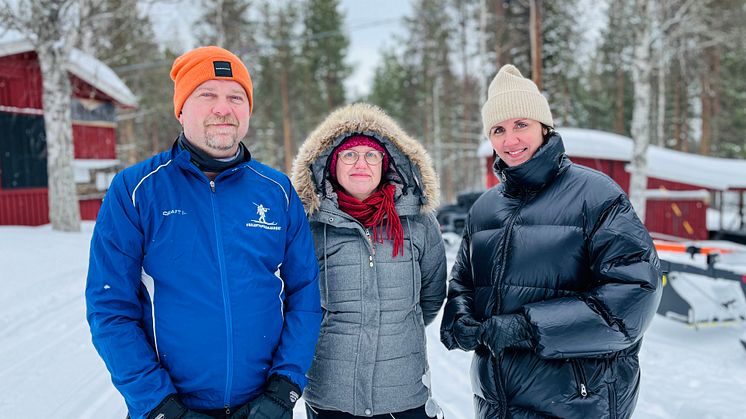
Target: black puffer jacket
{"points": [[561, 244]]}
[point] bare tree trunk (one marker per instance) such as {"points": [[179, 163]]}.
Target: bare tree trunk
{"points": [[705, 117], [677, 114], [619, 102], [484, 74], [661, 84], [535, 30], [661, 113], [219, 25], [465, 108], [708, 96], [127, 139], [64, 210], [502, 53], [716, 94], [682, 102], [641, 113], [286, 129], [684, 121]]}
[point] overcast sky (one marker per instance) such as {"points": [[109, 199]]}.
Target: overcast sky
{"points": [[370, 25]]}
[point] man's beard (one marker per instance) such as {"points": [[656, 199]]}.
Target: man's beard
{"points": [[218, 144]]}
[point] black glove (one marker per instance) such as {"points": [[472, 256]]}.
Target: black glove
{"points": [[242, 412], [466, 331], [277, 401], [506, 331], [171, 408]]}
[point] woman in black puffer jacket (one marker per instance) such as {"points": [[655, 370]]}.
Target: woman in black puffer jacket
{"points": [[556, 279]]}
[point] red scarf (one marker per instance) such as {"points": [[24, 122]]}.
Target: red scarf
{"points": [[373, 211]]}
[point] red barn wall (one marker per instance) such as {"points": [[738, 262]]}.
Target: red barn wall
{"points": [[94, 142], [21, 92], [20, 81], [29, 206]]}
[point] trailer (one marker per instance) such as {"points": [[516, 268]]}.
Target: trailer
{"points": [[703, 284]]}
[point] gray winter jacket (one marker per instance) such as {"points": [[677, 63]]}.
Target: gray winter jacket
{"points": [[371, 356]]}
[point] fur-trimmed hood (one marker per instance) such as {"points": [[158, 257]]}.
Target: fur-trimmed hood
{"points": [[411, 168]]}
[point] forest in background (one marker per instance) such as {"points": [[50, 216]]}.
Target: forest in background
{"points": [[434, 76]]}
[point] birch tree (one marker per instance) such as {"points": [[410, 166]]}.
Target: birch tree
{"points": [[53, 27], [641, 70]]}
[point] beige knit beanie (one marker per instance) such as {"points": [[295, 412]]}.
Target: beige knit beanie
{"points": [[513, 96]]}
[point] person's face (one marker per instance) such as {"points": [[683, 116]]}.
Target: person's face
{"points": [[215, 117], [516, 140], [358, 179]]}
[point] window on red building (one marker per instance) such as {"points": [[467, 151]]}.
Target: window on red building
{"points": [[23, 148]]}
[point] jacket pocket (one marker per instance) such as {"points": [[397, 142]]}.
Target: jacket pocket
{"points": [[580, 380]]}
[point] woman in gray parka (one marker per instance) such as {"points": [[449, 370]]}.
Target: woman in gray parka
{"points": [[370, 191]]}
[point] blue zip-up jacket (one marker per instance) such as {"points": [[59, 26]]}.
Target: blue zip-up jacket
{"points": [[201, 288]]}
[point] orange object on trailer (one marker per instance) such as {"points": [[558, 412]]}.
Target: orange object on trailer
{"points": [[689, 248]]}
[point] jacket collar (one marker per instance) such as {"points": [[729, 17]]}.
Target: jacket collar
{"points": [[537, 172], [411, 169], [183, 159]]}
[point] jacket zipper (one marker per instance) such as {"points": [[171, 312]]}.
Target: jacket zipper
{"points": [[498, 299], [579, 377], [365, 230], [372, 246], [226, 301], [504, 256]]}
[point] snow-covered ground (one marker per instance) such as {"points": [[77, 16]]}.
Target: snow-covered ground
{"points": [[49, 369]]}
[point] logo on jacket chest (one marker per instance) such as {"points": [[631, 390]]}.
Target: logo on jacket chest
{"points": [[262, 220], [167, 213]]}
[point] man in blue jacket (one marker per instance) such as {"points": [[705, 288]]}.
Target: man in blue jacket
{"points": [[202, 292]]}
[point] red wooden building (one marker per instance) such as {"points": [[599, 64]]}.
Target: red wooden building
{"points": [[681, 186], [97, 93]]}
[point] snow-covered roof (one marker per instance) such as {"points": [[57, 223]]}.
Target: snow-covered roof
{"points": [[704, 171], [589, 143], [710, 172], [82, 65]]}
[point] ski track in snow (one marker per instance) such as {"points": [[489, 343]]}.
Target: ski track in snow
{"points": [[49, 368]]}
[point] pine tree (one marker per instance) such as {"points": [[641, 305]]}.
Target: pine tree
{"points": [[324, 51], [561, 60], [391, 79], [429, 52], [126, 43], [276, 114], [609, 97], [226, 23]]}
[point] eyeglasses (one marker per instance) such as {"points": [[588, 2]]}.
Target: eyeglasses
{"points": [[372, 157]]}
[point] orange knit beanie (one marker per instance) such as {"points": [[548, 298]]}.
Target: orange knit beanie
{"points": [[207, 63]]}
